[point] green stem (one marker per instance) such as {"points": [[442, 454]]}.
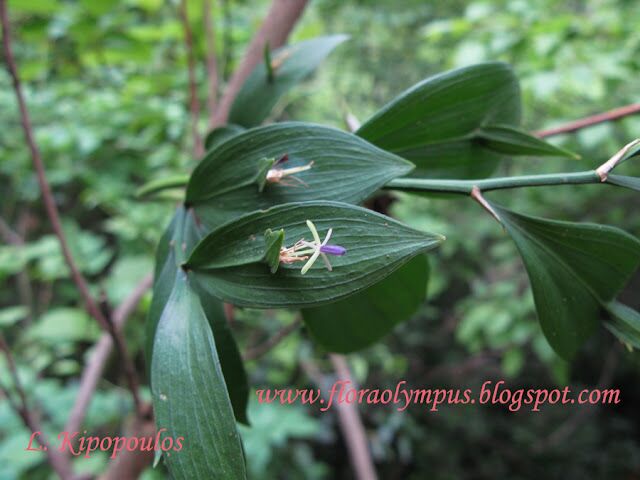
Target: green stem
{"points": [[155, 186], [465, 187]]}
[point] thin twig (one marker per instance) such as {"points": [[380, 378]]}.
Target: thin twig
{"points": [[58, 461], [352, 427], [212, 62], [586, 122], [278, 23], [95, 366], [259, 350], [52, 211], [194, 103], [348, 416]]}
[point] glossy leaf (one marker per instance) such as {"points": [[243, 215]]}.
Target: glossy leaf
{"points": [[220, 135], [289, 66], [226, 184], [230, 261], [366, 317], [513, 141], [434, 123], [574, 269], [183, 230], [624, 324], [190, 398]]}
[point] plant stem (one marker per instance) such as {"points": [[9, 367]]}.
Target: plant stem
{"points": [[162, 184], [465, 187]]}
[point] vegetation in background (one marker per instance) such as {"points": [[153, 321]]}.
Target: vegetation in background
{"points": [[107, 88]]}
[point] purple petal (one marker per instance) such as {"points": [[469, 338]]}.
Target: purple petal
{"points": [[333, 250]]}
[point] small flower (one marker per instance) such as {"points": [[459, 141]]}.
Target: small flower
{"points": [[279, 175], [310, 251]]}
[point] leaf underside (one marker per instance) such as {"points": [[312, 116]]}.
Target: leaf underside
{"points": [[189, 394], [184, 231], [575, 269]]}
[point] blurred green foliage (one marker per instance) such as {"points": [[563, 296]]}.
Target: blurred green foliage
{"points": [[106, 84]]}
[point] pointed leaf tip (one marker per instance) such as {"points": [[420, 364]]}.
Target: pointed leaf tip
{"points": [[574, 269], [229, 261]]}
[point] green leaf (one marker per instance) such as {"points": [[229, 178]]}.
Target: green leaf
{"points": [[190, 398], [574, 269], [64, 324], [273, 242], [624, 181], [220, 135], [226, 184], [230, 358], [289, 65], [513, 141], [11, 315], [435, 123], [366, 317], [164, 277], [229, 262], [161, 184], [624, 323], [183, 230]]}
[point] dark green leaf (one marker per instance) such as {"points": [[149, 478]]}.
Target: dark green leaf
{"points": [[624, 181], [164, 277], [434, 123], [229, 262], [513, 141], [231, 362], [624, 324], [190, 398], [289, 65], [574, 269], [220, 135], [183, 231], [273, 243], [161, 184], [227, 182], [366, 317]]}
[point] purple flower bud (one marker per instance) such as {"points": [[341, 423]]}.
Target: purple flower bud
{"points": [[333, 250]]}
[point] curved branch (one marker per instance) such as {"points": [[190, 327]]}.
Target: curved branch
{"points": [[586, 122]]}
